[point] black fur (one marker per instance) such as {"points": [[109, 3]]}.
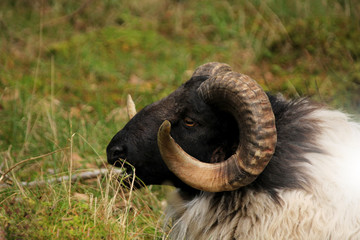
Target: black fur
{"points": [[214, 138], [296, 136]]}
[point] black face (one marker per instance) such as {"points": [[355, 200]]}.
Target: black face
{"points": [[202, 131]]}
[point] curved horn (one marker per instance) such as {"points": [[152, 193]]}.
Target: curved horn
{"points": [[211, 69], [130, 105], [250, 106]]}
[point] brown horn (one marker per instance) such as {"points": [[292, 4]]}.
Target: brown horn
{"points": [[250, 106], [211, 69]]}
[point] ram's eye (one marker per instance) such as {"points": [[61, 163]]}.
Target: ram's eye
{"points": [[189, 122]]}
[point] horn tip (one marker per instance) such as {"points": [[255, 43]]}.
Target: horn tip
{"points": [[165, 127]]}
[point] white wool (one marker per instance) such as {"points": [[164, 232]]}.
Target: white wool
{"points": [[328, 208], [340, 139]]}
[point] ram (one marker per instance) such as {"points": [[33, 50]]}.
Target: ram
{"points": [[246, 164]]}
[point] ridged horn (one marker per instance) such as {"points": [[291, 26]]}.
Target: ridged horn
{"points": [[250, 106], [130, 106], [211, 69]]}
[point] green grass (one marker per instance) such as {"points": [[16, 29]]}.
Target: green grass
{"points": [[67, 66]]}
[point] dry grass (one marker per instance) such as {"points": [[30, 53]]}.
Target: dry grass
{"points": [[66, 68]]}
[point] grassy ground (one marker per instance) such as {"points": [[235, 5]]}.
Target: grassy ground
{"points": [[67, 66]]}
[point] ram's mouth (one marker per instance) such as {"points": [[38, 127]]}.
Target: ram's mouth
{"points": [[128, 179], [123, 164], [117, 163]]}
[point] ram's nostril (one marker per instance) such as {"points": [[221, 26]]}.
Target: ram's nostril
{"points": [[115, 153], [119, 154]]}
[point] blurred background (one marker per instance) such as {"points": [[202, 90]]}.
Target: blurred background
{"points": [[67, 66]]}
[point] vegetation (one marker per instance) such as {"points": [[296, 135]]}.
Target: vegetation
{"points": [[67, 66]]}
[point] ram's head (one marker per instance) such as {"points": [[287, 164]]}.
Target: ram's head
{"points": [[214, 133]]}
